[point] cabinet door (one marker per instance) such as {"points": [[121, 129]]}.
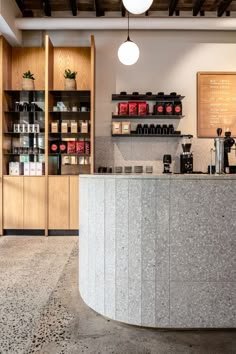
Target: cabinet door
{"points": [[74, 202], [34, 203], [13, 202], [58, 202]]}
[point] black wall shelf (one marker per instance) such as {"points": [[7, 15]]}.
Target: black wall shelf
{"points": [[153, 135], [148, 116], [160, 98]]}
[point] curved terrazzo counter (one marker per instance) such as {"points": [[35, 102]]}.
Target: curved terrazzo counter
{"points": [[159, 251]]}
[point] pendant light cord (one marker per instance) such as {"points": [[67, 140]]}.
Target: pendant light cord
{"points": [[128, 39]]}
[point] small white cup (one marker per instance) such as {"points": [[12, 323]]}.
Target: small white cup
{"points": [[84, 109], [74, 109]]}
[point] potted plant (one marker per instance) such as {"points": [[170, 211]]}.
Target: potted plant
{"points": [[70, 82], [28, 81]]}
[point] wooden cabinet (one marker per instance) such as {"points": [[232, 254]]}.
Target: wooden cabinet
{"points": [[63, 207], [24, 203], [49, 202], [34, 203], [13, 207], [58, 202]]}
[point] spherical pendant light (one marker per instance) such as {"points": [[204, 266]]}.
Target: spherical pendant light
{"points": [[137, 6], [128, 52]]}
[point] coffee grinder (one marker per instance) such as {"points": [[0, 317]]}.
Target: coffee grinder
{"points": [[166, 163], [186, 158]]}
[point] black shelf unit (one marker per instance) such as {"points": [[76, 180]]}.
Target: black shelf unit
{"points": [[133, 135], [23, 133], [70, 135], [70, 98], [60, 115], [148, 116], [18, 154], [66, 154], [141, 97]]}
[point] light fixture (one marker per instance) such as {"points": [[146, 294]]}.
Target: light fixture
{"points": [[128, 52], [137, 6]]}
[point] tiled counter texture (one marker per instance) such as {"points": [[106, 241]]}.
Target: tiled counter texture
{"points": [[159, 251]]}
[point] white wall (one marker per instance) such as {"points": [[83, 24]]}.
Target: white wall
{"points": [[169, 61]]}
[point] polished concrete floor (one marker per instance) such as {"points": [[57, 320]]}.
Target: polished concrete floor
{"points": [[41, 310]]}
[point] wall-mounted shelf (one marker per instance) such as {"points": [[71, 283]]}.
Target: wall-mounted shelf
{"points": [[133, 135], [160, 98], [148, 116]]}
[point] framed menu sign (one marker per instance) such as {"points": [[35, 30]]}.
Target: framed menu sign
{"points": [[216, 103]]}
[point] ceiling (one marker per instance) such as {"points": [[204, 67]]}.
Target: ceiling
{"points": [[115, 8]]}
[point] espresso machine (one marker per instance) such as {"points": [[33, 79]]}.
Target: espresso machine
{"points": [[186, 157], [223, 146]]}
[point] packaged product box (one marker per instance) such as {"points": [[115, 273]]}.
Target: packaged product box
{"points": [[54, 127], [123, 109], [79, 147], [26, 169], [87, 147], [71, 147], [73, 160], [133, 108], [54, 147], [32, 168], [63, 147], [16, 128], [40, 168], [116, 127], [142, 108], [125, 127], [64, 127], [74, 127], [84, 127], [36, 128], [66, 160], [16, 168], [30, 128]]}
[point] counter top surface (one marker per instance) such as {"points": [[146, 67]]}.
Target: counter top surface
{"points": [[193, 176]]}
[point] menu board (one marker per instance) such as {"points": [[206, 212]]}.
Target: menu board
{"points": [[216, 103]]}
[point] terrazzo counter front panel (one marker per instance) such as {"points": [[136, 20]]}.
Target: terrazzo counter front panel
{"points": [[159, 251]]}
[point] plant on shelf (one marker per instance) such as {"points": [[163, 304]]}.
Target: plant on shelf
{"points": [[28, 81], [70, 82]]}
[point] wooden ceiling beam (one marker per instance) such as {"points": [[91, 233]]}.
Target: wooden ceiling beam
{"points": [[98, 9], [223, 7], [172, 7], [73, 7], [21, 5], [47, 7], [25, 12], [197, 7]]}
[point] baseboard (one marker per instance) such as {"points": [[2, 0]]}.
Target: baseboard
{"points": [[23, 232]]}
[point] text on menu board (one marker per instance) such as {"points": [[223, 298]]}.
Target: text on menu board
{"points": [[216, 103]]}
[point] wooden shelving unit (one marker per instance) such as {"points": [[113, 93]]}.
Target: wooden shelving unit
{"points": [[48, 64]]}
